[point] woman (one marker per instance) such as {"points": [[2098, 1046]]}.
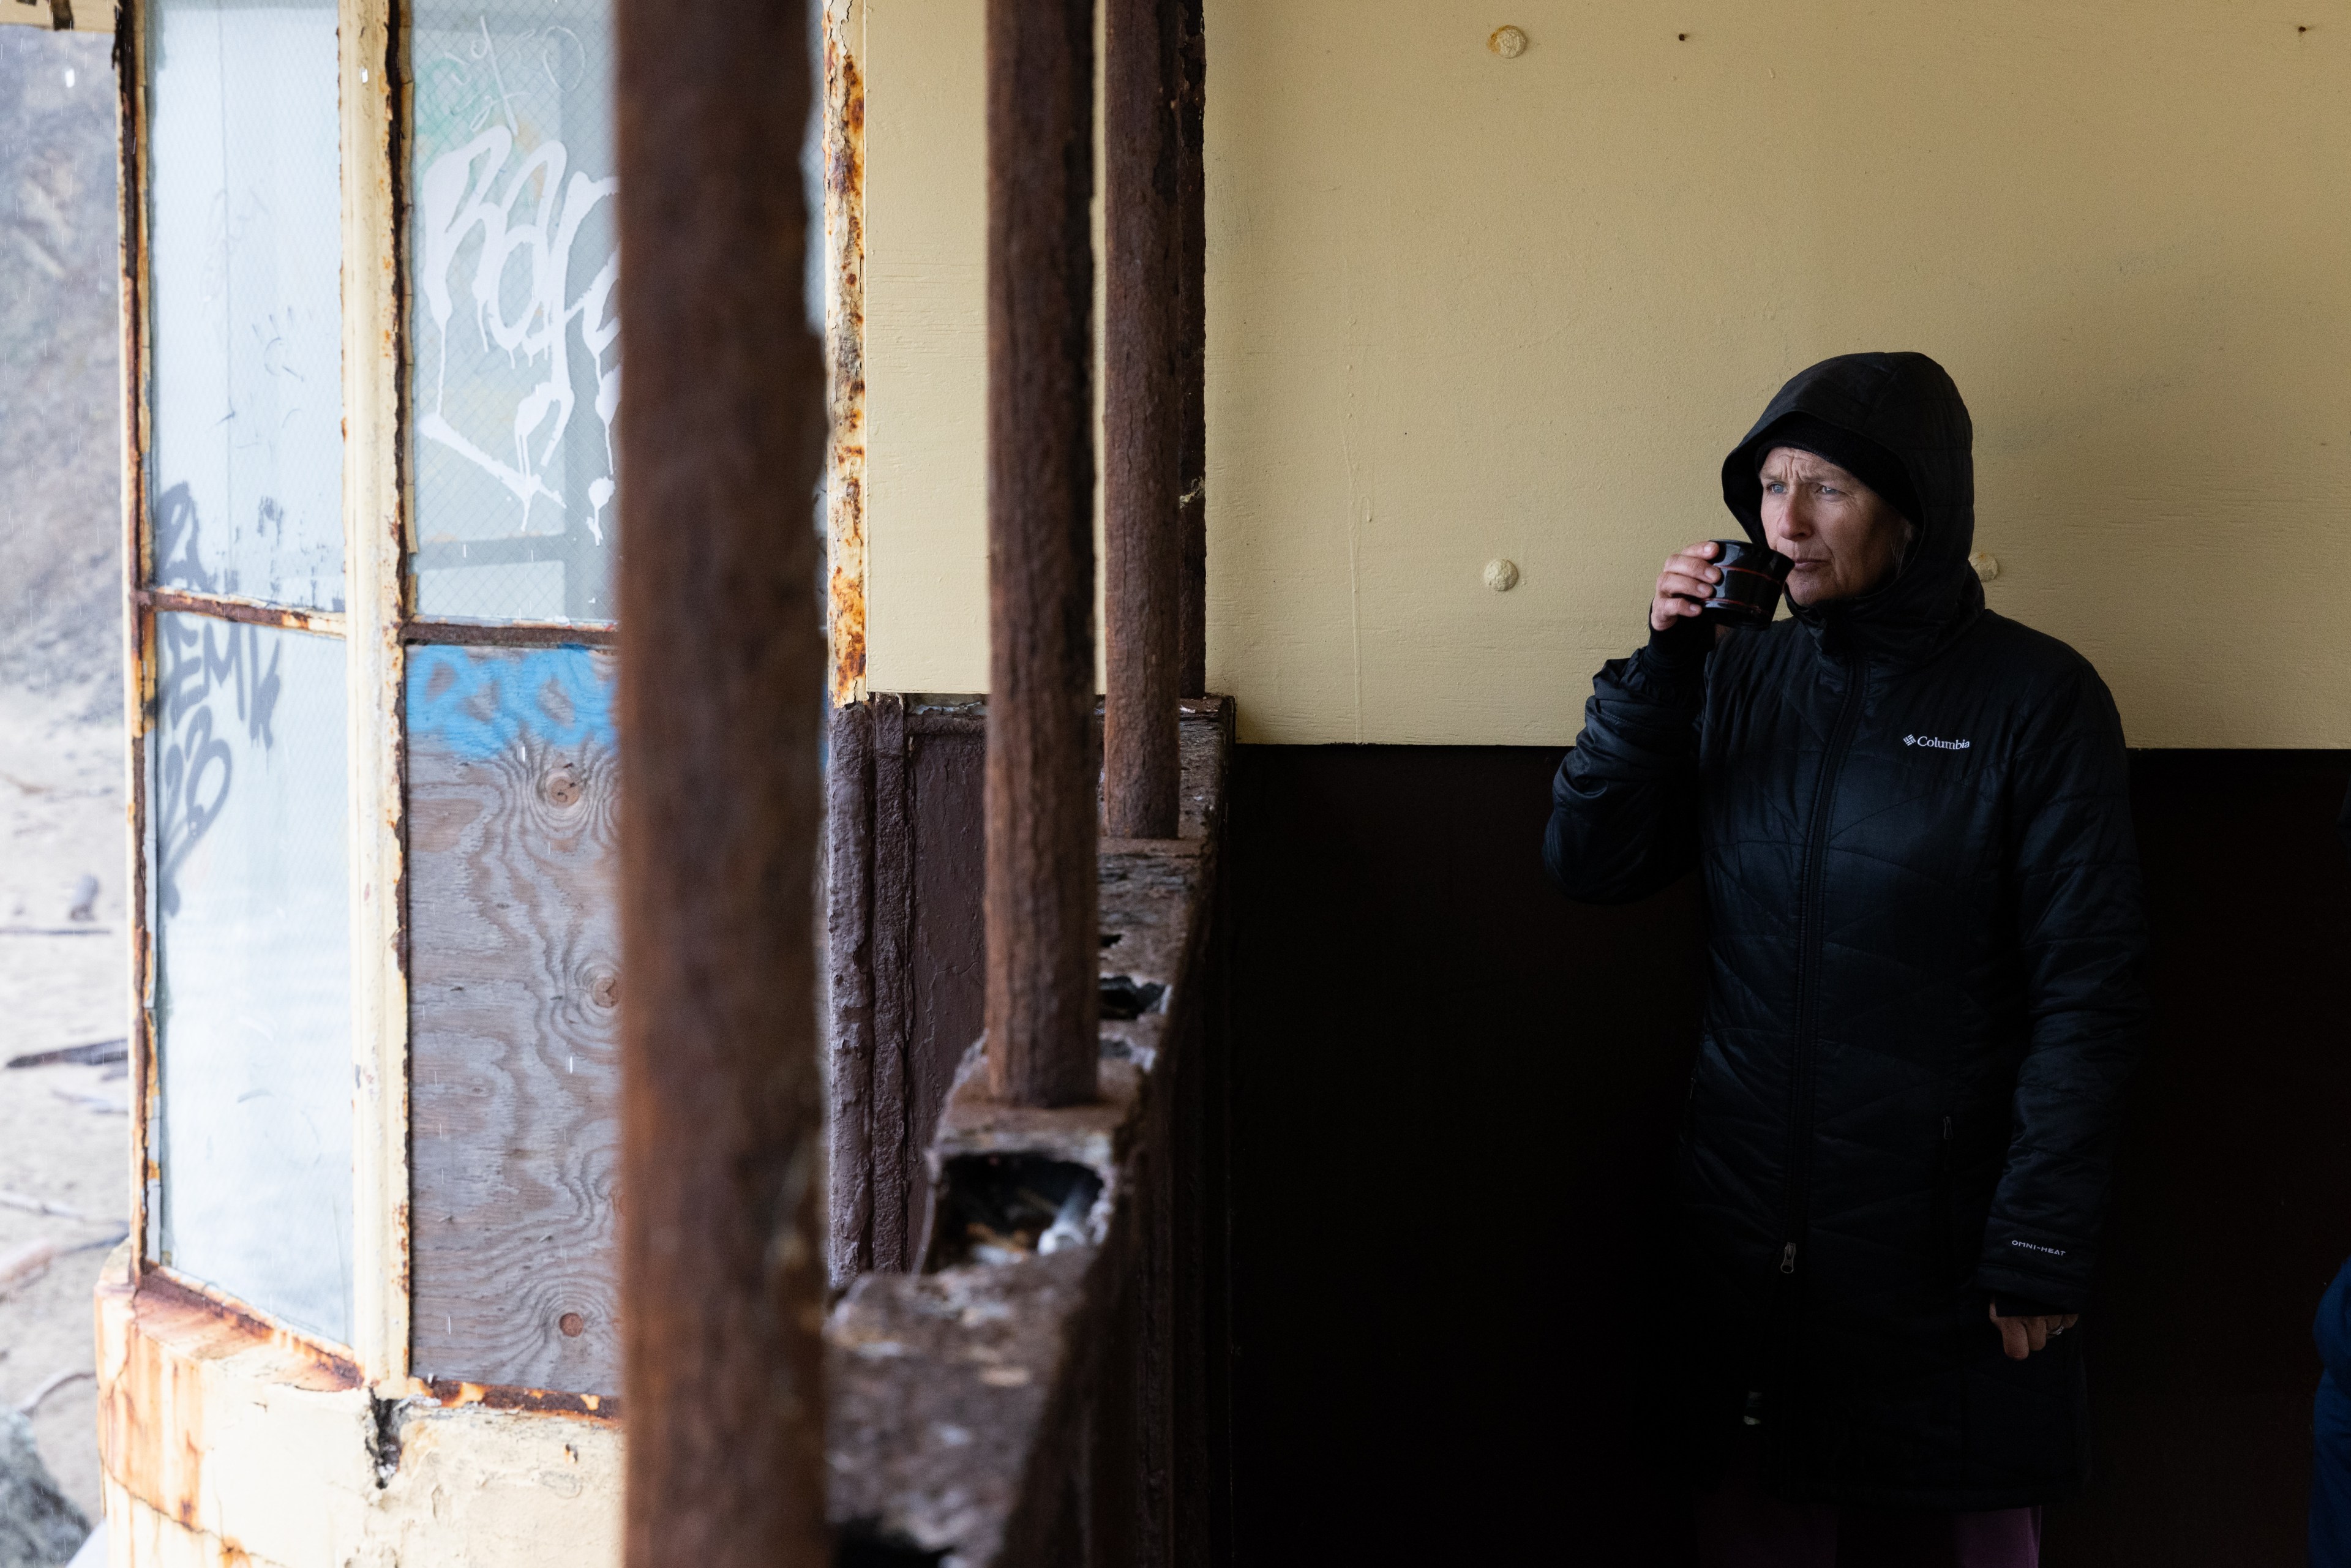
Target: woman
{"points": [[1911, 821]]}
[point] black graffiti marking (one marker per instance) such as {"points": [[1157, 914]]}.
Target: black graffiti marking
{"points": [[207, 667], [176, 527], [186, 815], [179, 556]]}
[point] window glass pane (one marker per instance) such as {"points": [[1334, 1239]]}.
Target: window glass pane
{"points": [[515, 376], [246, 263], [247, 859]]}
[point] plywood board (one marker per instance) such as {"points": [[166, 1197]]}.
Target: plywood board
{"points": [[514, 949]]}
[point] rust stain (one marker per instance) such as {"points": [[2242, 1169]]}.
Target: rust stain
{"points": [[226, 608], [151, 1427], [198, 1324], [452, 1393], [142, 714], [844, 226], [150, 1085]]}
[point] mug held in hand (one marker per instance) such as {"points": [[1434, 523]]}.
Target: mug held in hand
{"points": [[1753, 577]]}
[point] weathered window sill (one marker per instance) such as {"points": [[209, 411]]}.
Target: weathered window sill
{"points": [[1044, 1368]]}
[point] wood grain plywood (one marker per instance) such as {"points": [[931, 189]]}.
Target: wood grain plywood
{"points": [[513, 976]]}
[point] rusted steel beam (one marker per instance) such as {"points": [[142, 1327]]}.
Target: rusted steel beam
{"points": [[1142, 82], [844, 312], [1040, 553], [1192, 353], [245, 612], [1040, 812], [722, 670], [511, 634]]}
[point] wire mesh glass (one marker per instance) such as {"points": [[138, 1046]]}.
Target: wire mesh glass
{"points": [[245, 265], [248, 857], [515, 378]]}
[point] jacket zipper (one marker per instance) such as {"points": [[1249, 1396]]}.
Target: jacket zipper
{"points": [[1940, 1264], [1809, 940]]}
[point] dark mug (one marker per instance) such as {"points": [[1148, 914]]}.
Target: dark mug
{"points": [[1753, 577]]}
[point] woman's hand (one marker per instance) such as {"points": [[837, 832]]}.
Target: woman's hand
{"points": [[2019, 1337], [1684, 585]]}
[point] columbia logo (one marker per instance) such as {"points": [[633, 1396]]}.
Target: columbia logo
{"points": [[1937, 745]]}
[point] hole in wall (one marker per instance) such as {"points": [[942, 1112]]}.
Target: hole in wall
{"points": [[863, 1545], [1003, 1209], [1124, 996], [381, 1438]]}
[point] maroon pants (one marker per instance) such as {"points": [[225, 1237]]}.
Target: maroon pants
{"points": [[1739, 1525]]}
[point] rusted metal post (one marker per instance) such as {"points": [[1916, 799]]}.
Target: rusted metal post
{"points": [[1041, 824], [722, 667], [1192, 352], [1142, 82]]}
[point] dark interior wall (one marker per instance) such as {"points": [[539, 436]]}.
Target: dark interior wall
{"points": [[2232, 1200], [947, 972], [1453, 1090], [904, 864], [1455, 1093]]}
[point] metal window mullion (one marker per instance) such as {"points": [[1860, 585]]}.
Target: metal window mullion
{"points": [[138, 625], [373, 664], [221, 607], [844, 334]]}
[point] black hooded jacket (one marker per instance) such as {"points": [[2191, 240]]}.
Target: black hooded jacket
{"points": [[1924, 992]]}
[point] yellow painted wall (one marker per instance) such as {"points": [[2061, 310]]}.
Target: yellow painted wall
{"points": [[1462, 306]]}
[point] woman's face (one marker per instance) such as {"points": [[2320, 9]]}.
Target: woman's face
{"points": [[1843, 535]]}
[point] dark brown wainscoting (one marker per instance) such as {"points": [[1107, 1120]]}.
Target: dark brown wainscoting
{"points": [[906, 860], [1454, 1096], [2233, 1202], [909, 949]]}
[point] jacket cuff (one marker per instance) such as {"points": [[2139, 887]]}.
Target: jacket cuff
{"points": [[2008, 1304], [1679, 651], [2044, 1295]]}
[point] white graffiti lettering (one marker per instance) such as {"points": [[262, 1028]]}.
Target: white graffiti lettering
{"points": [[471, 190]]}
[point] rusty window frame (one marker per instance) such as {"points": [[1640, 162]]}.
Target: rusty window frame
{"points": [[375, 629], [378, 626]]}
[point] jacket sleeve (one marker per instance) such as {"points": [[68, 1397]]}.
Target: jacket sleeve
{"points": [[1624, 808], [2081, 932], [2331, 1329]]}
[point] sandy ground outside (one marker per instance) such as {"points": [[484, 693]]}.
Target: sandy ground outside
{"points": [[64, 1130], [61, 696]]}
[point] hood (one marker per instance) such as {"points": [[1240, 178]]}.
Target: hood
{"points": [[1907, 404]]}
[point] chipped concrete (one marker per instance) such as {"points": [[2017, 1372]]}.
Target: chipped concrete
{"points": [[227, 1444]]}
